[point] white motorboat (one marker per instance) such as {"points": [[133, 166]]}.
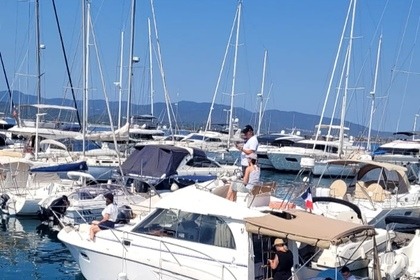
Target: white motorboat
{"points": [[401, 152], [86, 204], [289, 158], [379, 189], [274, 141], [26, 184], [195, 234], [144, 127], [46, 124]]}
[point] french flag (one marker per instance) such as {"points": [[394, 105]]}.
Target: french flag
{"points": [[307, 196]]}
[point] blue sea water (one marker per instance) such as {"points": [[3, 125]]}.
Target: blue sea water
{"points": [[29, 250]]}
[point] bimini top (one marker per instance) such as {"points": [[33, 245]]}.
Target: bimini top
{"points": [[154, 160], [301, 226]]}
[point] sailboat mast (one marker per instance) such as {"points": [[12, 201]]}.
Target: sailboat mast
{"points": [[330, 83], [38, 52], [120, 79], [162, 73], [130, 65], [372, 94], [261, 95], [216, 90], [86, 31], [232, 95], [152, 89], [346, 87]]}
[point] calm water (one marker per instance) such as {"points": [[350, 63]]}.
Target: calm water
{"points": [[31, 251]]}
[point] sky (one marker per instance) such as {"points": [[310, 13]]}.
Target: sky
{"points": [[301, 38]]}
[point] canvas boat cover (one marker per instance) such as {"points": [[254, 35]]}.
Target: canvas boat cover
{"points": [[369, 166], [154, 161], [308, 228]]}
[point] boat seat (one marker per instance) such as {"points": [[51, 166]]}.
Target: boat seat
{"points": [[263, 187], [188, 230], [259, 195], [361, 191], [377, 193], [338, 189], [207, 235]]}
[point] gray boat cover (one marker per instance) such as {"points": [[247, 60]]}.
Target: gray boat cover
{"points": [[154, 161]]}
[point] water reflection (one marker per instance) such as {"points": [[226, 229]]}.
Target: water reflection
{"points": [[29, 250]]}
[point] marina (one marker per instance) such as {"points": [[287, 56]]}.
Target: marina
{"points": [[32, 250], [145, 142]]}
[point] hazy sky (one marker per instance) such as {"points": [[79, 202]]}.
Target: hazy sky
{"points": [[301, 37]]}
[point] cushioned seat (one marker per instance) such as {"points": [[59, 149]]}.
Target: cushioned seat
{"points": [[338, 189], [361, 191], [377, 193]]}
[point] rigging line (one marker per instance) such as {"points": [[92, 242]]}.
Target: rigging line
{"points": [[162, 73], [7, 83], [393, 72], [208, 124], [66, 62], [334, 69], [106, 98], [407, 78], [403, 36]]}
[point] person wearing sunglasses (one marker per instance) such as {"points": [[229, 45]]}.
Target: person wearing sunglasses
{"points": [[283, 261]]}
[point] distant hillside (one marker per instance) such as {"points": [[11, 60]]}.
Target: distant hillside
{"points": [[193, 115]]}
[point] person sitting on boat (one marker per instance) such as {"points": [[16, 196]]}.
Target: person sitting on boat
{"points": [[283, 261], [250, 179], [345, 272], [109, 216], [250, 146]]}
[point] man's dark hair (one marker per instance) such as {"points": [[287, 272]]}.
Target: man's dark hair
{"points": [[345, 269]]}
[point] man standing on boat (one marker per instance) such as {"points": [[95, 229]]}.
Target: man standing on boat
{"points": [[250, 146]]}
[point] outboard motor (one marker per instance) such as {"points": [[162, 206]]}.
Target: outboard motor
{"points": [[55, 211], [4, 198], [140, 186], [125, 214]]}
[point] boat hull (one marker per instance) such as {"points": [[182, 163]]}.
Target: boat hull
{"points": [[160, 259]]}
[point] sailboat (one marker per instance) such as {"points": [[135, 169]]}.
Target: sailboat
{"points": [[51, 121], [321, 150]]}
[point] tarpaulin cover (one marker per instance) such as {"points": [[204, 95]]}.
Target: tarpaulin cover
{"points": [[154, 161]]}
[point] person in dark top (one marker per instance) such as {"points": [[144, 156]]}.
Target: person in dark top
{"points": [[282, 262]]}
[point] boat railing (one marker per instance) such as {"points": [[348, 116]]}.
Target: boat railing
{"points": [[126, 240], [165, 246]]}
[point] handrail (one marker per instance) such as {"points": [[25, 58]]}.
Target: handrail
{"points": [[166, 243]]}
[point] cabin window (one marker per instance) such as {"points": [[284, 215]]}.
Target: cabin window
{"points": [[205, 229], [201, 162], [213, 140]]}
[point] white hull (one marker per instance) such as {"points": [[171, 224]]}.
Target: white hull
{"points": [[24, 206], [162, 258], [322, 168], [288, 160], [373, 213]]}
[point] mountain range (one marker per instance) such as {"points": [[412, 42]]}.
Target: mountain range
{"points": [[193, 115]]}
